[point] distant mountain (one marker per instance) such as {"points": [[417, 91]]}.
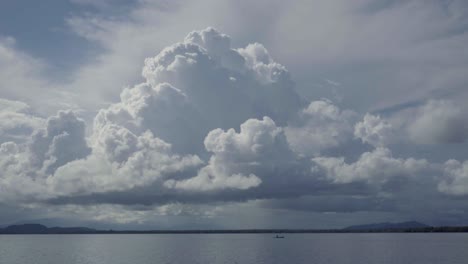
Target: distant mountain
{"points": [[387, 226], [25, 229], [42, 229]]}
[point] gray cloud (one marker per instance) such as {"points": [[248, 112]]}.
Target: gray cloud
{"points": [[432, 122], [455, 180], [335, 203], [439, 122], [23, 78], [320, 126], [18, 122]]}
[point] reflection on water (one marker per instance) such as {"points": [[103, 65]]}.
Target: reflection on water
{"points": [[236, 248]]}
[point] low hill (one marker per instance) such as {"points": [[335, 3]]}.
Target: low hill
{"points": [[42, 229]]}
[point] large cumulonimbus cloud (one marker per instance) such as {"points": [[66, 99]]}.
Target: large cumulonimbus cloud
{"points": [[154, 135], [209, 122]]}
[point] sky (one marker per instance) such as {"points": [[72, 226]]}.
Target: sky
{"points": [[138, 114]]}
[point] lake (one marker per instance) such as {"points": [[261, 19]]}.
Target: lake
{"points": [[394, 248]]}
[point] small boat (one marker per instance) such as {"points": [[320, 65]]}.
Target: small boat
{"points": [[278, 236]]}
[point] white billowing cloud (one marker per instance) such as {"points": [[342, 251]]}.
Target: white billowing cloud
{"points": [[192, 87], [18, 122], [240, 84], [63, 140], [377, 166], [57, 161], [8, 157], [439, 121], [26, 166], [15, 181], [163, 109], [241, 160], [374, 130], [320, 126], [202, 84], [120, 161], [265, 69], [455, 178]]}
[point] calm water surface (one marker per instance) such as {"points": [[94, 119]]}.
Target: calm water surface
{"points": [[236, 248]]}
